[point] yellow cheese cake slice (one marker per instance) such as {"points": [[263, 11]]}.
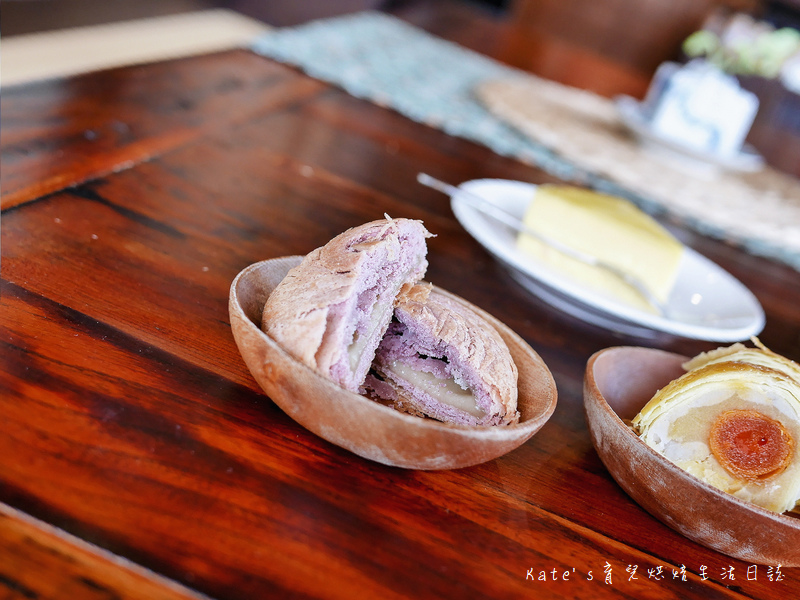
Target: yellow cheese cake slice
{"points": [[608, 228]]}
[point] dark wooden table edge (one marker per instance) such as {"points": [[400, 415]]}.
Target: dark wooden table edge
{"points": [[92, 566]]}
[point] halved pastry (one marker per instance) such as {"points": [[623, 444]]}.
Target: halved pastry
{"points": [[733, 420], [331, 311], [442, 360]]}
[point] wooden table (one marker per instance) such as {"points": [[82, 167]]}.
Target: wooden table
{"points": [[139, 457]]}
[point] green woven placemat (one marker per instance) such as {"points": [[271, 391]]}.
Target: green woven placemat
{"points": [[393, 64]]}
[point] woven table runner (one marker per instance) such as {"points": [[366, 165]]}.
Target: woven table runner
{"points": [[573, 134]]}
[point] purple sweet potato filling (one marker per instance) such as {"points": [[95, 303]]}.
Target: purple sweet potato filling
{"points": [[420, 351], [362, 320]]}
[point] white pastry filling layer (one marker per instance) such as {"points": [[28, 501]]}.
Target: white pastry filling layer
{"points": [[682, 436], [379, 316], [446, 391]]}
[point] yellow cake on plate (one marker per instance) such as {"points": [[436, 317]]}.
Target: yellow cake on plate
{"points": [[608, 228]]}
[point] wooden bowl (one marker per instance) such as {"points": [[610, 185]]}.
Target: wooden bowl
{"points": [[365, 427], [618, 383]]}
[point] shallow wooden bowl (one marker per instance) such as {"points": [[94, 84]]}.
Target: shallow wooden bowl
{"points": [[618, 383], [360, 425]]}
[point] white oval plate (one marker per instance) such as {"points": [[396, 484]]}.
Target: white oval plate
{"points": [[706, 303]]}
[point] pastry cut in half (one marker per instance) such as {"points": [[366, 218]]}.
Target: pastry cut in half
{"points": [[733, 421], [331, 311], [440, 359]]}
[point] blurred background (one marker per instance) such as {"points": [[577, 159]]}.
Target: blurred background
{"points": [[638, 34], [626, 39]]}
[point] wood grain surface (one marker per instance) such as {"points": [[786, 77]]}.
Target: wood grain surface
{"points": [[69, 567], [131, 199]]}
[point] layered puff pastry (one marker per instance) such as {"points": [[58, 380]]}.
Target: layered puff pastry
{"points": [[354, 311], [442, 360], [331, 311], [733, 421]]}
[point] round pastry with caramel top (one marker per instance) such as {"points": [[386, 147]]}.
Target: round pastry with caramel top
{"points": [[733, 420]]}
